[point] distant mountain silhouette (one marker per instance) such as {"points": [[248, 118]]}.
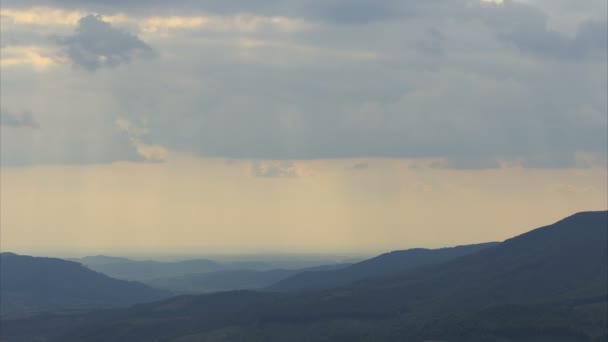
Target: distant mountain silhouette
{"points": [[226, 280], [393, 262], [31, 284], [568, 259], [128, 269], [546, 285], [100, 260], [147, 269]]}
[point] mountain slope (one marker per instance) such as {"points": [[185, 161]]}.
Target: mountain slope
{"points": [[227, 280], [393, 262], [220, 281], [31, 284], [567, 259], [99, 260], [142, 270]]}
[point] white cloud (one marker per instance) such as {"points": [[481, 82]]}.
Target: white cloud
{"points": [[154, 153]]}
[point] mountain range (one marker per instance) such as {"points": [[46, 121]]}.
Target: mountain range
{"points": [[239, 279], [141, 270], [393, 262], [550, 284]]}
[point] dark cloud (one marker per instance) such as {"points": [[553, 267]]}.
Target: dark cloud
{"points": [[432, 42], [23, 119], [591, 41], [466, 163], [352, 11], [96, 44], [273, 169], [470, 120], [439, 79], [341, 11], [360, 166]]}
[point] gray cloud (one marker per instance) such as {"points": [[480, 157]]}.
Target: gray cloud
{"points": [[339, 11], [353, 11], [273, 169], [591, 41], [466, 163], [65, 142], [23, 119], [468, 84], [360, 166], [96, 44]]}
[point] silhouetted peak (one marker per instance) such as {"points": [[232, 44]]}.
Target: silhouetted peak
{"points": [[585, 216]]}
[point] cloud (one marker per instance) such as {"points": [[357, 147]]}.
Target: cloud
{"points": [[273, 169], [466, 163], [97, 44], [152, 153], [17, 120], [463, 82], [340, 11], [16, 56], [360, 166], [590, 41]]}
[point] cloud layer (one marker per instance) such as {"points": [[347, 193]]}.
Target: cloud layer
{"points": [[472, 84], [24, 119]]}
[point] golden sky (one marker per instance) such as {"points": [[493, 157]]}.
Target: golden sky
{"points": [[311, 126], [193, 205]]}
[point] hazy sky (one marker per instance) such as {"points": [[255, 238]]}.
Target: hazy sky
{"points": [[297, 125]]}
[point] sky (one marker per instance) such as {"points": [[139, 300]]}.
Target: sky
{"points": [[297, 125]]}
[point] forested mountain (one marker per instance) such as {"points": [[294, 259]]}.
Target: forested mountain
{"points": [[546, 285], [393, 262], [245, 279], [128, 269], [31, 284]]}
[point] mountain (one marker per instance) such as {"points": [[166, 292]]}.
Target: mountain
{"points": [[550, 284], [568, 259], [30, 285], [220, 281], [230, 279], [122, 268], [393, 262], [100, 260]]}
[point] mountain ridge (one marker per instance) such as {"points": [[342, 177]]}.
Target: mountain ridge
{"points": [[35, 284], [391, 262], [542, 285]]}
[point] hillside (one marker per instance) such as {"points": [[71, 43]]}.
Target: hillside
{"points": [[568, 259], [546, 285], [226, 280], [30, 284], [127, 269], [100, 260], [393, 262]]}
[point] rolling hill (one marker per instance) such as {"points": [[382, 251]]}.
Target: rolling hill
{"points": [[388, 263], [546, 285], [140, 270], [31, 285], [227, 280]]}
